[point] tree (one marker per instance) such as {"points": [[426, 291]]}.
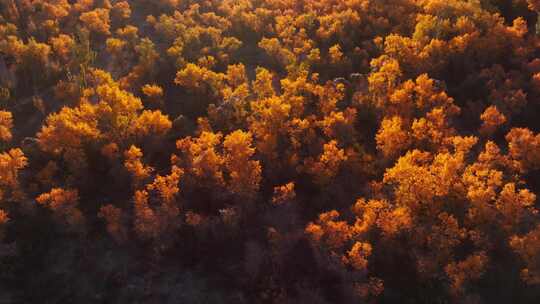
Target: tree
{"points": [[392, 138], [69, 129], [11, 163], [491, 120], [97, 20], [327, 231], [534, 5], [146, 221], [134, 165], [116, 117], [336, 56], [121, 10], [156, 218], [202, 159], [4, 220], [115, 46], [151, 123], [64, 205], [263, 84], [325, 168], [113, 218], [200, 79], [524, 147], [267, 121], [6, 124], [528, 248], [153, 92], [463, 272], [62, 46], [358, 255], [245, 174], [167, 186], [284, 194], [380, 214]]}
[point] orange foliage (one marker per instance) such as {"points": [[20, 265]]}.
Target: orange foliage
{"points": [[155, 220], [327, 231], [528, 248], [392, 138], [267, 122], [146, 221], [113, 218], [134, 165], [151, 123], [470, 269], [153, 92], [284, 194], [245, 174], [524, 146], [327, 165], [6, 123], [4, 219], [11, 163], [64, 205], [203, 161], [379, 104], [358, 255], [491, 120], [97, 20]]}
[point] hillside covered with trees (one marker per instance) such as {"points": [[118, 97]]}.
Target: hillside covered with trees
{"points": [[269, 151]]}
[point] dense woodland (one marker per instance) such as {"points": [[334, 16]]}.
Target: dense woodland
{"points": [[269, 151]]}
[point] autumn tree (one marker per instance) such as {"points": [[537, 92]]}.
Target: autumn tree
{"points": [[116, 117], [153, 92], [267, 121], [157, 216], [133, 163], [6, 124], [523, 145], [97, 20], [491, 120], [64, 205], [392, 138], [527, 248], [11, 162], [202, 157], [113, 218], [245, 174], [284, 194], [325, 168]]}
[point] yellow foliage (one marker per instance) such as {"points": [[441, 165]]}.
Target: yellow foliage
{"points": [[358, 255], [284, 194], [152, 91], [327, 231], [6, 123], [524, 146], [263, 85], [113, 218], [245, 174], [327, 166], [11, 163], [203, 159], [267, 122], [151, 123], [392, 137], [63, 203], [134, 165], [528, 248], [491, 120], [470, 269], [97, 20]]}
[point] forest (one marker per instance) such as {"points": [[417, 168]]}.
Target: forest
{"points": [[270, 151]]}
